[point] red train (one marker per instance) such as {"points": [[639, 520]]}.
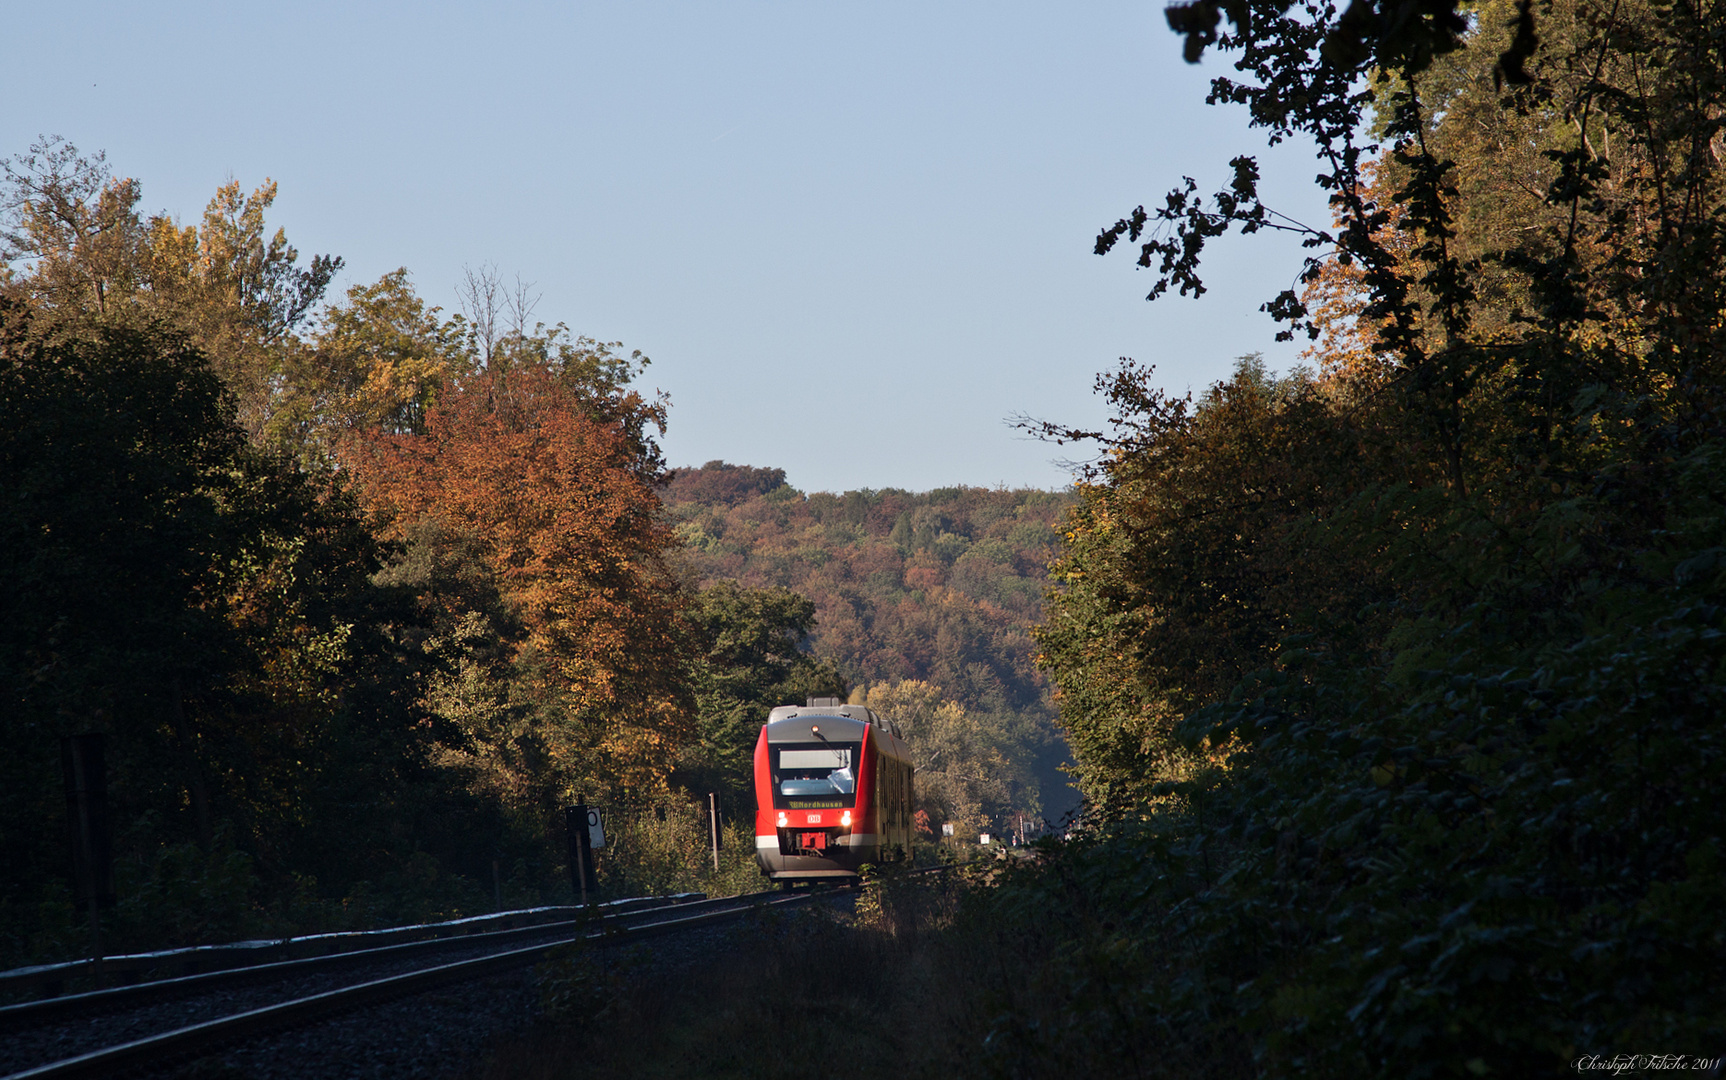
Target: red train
{"points": [[832, 791]]}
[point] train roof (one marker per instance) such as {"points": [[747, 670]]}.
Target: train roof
{"points": [[849, 712], [790, 723]]}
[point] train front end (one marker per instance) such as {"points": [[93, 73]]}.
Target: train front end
{"points": [[813, 774]]}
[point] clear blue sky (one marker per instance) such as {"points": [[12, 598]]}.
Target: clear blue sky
{"points": [[854, 238]]}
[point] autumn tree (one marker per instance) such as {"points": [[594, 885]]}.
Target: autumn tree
{"points": [[319, 716], [721, 483], [238, 291], [72, 227], [555, 493], [235, 291]]}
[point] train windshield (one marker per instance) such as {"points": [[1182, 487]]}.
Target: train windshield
{"points": [[810, 775]]}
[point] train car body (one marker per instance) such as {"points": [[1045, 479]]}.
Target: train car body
{"points": [[832, 792]]}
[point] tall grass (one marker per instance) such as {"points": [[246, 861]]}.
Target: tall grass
{"points": [[653, 851]]}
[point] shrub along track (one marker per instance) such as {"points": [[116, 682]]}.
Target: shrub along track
{"points": [[160, 1023]]}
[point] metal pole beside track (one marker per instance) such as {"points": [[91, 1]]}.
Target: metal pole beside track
{"points": [[713, 826]]}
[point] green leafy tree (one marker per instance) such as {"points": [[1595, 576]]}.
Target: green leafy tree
{"points": [[378, 363], [1199, 546], [754, 660], [202, 602], [118, 458]]}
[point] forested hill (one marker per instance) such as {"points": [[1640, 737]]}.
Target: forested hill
{"points": [[940, 586]]}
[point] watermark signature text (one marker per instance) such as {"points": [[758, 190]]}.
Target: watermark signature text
{"points": [[1618, 1064]]}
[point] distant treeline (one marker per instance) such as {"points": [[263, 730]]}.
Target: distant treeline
{"points": [[938, 589]]}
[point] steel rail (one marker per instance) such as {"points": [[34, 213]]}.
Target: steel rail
{"points": [[203, 958], [50, 1008], [180, 1041], [45, 1009]]}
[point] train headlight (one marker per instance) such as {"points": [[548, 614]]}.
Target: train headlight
{"points": [[783, 820], [845, 818]]}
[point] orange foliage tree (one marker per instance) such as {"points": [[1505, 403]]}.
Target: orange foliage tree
{"points": [[560, 497]]}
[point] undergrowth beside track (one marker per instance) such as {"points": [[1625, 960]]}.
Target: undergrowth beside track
{"points": [[812, 991], [926, 978]]}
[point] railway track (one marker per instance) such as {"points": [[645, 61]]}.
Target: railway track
{"points": [[122, 1029]]}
